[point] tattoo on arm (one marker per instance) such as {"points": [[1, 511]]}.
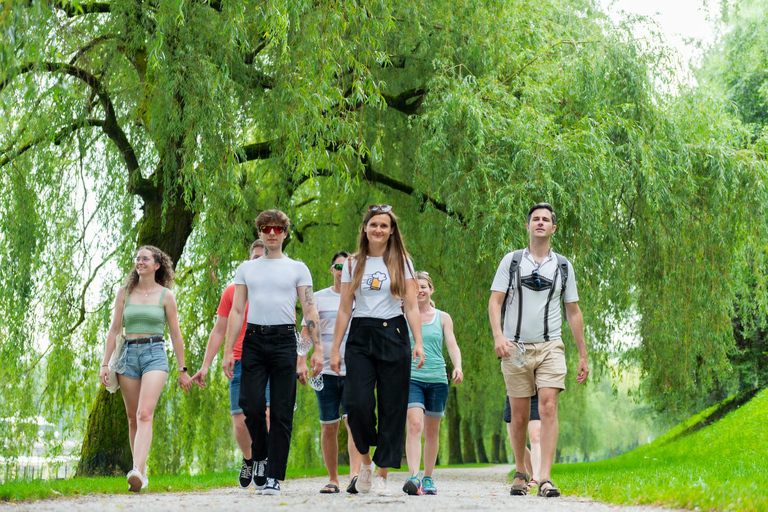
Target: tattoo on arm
{"points": [[309, 298], [312, 328]]}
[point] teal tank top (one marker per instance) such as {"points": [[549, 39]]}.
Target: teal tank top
{"points": [[433, 370], [145, 318]]}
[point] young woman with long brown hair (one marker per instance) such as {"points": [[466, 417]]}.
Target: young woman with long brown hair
{"points": [[379, 280], [145, 305]]}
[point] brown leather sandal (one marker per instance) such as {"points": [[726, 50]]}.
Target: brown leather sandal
{"points": [[549, 492], [520, 490]]}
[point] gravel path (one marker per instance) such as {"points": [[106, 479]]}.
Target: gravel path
{"points": [[461, 489]]}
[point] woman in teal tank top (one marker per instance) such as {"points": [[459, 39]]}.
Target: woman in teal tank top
{"points": [[429, 389], [143, 307]]}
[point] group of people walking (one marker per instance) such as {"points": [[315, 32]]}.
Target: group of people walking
{"points": [[377, 353]]}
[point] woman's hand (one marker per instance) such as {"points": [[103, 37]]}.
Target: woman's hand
{"points": [[458, 376], [336, 360], [104, 375], [185, 381]]}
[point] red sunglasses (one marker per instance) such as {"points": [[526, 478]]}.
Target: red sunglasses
{"points": [[271, 229]]}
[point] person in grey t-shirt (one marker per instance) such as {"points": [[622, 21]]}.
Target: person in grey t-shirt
{"points": [[270, 285], [535, 288]]}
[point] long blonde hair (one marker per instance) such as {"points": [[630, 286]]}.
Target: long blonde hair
{"points": [[163, 275], [394, 256]]}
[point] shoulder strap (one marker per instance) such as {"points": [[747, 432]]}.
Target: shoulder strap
{"points": [[162, 295], [122, 314], [516, 257], [562, 263]]}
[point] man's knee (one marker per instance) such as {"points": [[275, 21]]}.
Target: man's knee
{"points": [[548, 408], [238, 424]]}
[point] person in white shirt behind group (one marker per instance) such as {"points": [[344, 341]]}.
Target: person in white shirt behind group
{"points": [[379, 279]]}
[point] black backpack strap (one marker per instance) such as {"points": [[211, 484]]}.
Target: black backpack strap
{"points": [[516, 257], [562, 263], [546, 306], [519, 306]]}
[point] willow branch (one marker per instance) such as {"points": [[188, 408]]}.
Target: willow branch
{"points": [[57, 139]]}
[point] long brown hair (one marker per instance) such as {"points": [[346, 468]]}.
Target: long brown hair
{"points": [[394, 255], [163, 275]]}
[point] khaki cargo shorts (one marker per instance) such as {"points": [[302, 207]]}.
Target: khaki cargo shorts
{"points": [[544, 368]]}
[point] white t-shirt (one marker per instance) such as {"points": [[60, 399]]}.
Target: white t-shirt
{"points": [[272, 287], [328, 303], [373, 297], [534, 297]]}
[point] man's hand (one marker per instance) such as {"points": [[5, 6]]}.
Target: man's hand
{"points": [[336, 361], [199, 377], [228, 364], [583, 372], [301, 369], [418, 355], [501, 346], [317, 361]]}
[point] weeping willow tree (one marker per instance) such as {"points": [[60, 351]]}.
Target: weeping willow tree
{"points": [[174, 123]]}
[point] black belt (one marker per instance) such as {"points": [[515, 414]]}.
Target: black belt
{"points": [[273, 329], [149, 339]]}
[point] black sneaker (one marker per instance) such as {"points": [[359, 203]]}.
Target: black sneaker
{"points": [[272, 488], [259, 471], [246, 474], [352, 487]]}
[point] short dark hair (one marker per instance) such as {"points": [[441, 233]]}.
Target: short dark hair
{"points": [[255, 244], [545, 206], [273, 217], [340, 254]]}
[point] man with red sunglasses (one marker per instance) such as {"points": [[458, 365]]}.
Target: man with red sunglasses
{"points": [[530, 284], [270, 286]]}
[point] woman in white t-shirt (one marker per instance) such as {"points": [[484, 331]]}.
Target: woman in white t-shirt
{"points": [[379, 280]]}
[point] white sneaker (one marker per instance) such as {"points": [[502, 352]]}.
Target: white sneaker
{"points": [[380, 486], [365, 477], [136, 481]]}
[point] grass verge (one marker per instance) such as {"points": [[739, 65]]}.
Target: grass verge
{"points": [[720, 466]]}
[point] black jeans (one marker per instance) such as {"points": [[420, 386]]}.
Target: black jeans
{"points": [[378, 355], [269, 356]]}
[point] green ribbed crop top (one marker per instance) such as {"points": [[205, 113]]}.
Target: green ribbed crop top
{"points": [[145, 318]]}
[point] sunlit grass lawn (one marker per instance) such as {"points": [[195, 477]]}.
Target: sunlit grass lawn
{"points": [[722, 466]]}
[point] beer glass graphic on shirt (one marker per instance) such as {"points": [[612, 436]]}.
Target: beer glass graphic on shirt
{"points": [[374, 281]]}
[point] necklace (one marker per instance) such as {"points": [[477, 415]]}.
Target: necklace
{"points": [[146, 294]]}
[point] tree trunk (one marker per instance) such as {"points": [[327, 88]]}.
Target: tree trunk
{"points": [[503, 456], [106, 450], [482, 456], [467, 444], [495, 448], [454, 428]]}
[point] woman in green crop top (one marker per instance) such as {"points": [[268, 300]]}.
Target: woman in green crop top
{"points": [[144, 306], [429, 389]]}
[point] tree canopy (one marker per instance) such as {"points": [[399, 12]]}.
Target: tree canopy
{"points": [[174, 123]]}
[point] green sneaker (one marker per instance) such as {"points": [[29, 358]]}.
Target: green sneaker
{"points": [[412, 486], [428, 485]]}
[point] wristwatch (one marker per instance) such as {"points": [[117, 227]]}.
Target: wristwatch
{"points": [[183, 369]]}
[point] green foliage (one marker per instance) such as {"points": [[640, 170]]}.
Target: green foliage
{"points": [[717, 467], [174, 124]]}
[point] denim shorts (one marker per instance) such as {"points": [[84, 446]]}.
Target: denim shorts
{"points": [[234, 390], [534, 410], [430, 396], [141, 358], [329, 399]]}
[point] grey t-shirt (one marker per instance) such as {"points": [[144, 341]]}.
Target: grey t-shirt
{"points": [[272, 287], [328, 303], [534, 297]]}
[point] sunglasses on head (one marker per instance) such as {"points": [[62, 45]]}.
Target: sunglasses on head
{"points": [[383, 208], [338, 266], [272, 229]]}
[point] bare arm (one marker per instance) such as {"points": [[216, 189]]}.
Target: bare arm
{"points": [[114, 330], [411, 308], [172, 314], [342, 321], [453, 348], [576, 320], [500, 342], [234, 325], [312, 319], [215, 340], [301, 362]]}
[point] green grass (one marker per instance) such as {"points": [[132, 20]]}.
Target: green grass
{"points": [[39, 489], [722, 466]]}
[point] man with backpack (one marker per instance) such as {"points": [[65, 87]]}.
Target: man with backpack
{"points": [[525, 316]]}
